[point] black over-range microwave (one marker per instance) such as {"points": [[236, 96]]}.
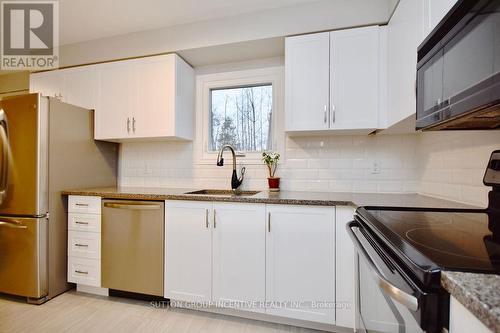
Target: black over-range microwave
{"points": [[458, 71]]}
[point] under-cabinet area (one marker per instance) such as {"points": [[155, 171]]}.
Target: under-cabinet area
{"points": [[274, 260]]}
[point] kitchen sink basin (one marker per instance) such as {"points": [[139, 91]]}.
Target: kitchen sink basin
{"points": [[224, 193]]}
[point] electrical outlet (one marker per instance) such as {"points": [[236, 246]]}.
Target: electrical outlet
{"points": [[376, 168]]}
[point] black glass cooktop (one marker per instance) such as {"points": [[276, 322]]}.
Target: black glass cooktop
{"points": [[430, 241]]}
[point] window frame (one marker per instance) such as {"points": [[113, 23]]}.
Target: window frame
{"points": [[237, 79]]}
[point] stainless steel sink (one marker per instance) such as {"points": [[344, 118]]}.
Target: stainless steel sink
{"points": [[224, 193]]}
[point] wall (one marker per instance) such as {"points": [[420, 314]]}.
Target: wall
{"points": [[304, 18], [335, 163], [443, 164], [452, 164]]}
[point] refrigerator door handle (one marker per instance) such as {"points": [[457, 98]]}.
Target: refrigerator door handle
{"points": [[14, 225], [4, 172]]}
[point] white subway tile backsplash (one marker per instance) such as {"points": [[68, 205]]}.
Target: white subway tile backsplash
{"points": [[443, 164]]}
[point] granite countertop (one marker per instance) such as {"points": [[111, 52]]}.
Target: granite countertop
{"points": [[479, 293], [282, 197]]}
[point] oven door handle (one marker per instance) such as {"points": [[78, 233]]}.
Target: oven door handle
{"points": [[409, 301]]}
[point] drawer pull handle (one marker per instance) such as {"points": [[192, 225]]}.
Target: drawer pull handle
{"points": [[81, 272], [78, 222], [81, 245], [81, 205]]}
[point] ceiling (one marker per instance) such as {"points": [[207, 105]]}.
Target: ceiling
{"points": [[82, 20]]}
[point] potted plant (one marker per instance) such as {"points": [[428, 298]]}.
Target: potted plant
{"points": [[271, 161]]}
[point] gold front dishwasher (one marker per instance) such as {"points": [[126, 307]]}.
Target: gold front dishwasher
{"points": [[132, 246]]}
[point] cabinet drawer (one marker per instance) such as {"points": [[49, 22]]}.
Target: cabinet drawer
{"points": [[84, 204], [84, 271], [84, 222], [84, 244]]}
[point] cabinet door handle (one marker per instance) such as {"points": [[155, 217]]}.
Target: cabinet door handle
{"points": [[333, 113], [215, 219], [78, 222], [206, 218], [82, 272], [325, 116], [81, 245], [133, 124], [269, 222], [128, 125]]}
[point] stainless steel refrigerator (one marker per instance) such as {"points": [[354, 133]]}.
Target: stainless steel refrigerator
{"points": [[46, 146]]}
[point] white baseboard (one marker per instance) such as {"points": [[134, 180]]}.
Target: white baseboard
{"points": [[269, 318], [92, 290]]}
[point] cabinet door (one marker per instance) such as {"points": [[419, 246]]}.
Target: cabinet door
{"points": [[300, 265], [354, 78], [156, 82], [239, 254], [307, 82], [345, 265], [47, 83], [116, 101], [188, 255], [80, 86], [405, 33]]}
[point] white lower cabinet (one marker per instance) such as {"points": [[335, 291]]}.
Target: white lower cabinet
{"points": [[239, 255], [188, 255], [300, 265], [344, 269], [463, 321], [84, 240], [245, 256]]}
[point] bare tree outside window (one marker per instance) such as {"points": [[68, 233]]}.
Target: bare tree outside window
{"points": [[241, 117]]}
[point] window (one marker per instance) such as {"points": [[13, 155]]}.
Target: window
{"points": [[241, 117], [243, 108]]}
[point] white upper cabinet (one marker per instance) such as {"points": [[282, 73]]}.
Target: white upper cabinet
{"points": [[47, 83], [300, 262], [116, 109], [405, 33], [80, 86], [307, 82], [354, 78], [332, 81], [150, 97], [239, 253], [144, 98]]}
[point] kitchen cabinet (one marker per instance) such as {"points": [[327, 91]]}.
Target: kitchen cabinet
{"points": [[354, 78], [300, 262], [463, 321], [188, 251], [116, 101], [239, 254], [47, 83], [143, 98], [75, 86], [405, 32], [332, 81], [150, 97], [84, 240], [344, 268], [307, 83], [215, 252]]}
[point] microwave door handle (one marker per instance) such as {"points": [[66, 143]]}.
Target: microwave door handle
{"points": [[409, 301]]}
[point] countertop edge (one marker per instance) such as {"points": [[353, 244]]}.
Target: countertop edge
{"points": [[469, 296], [191, 197]]}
